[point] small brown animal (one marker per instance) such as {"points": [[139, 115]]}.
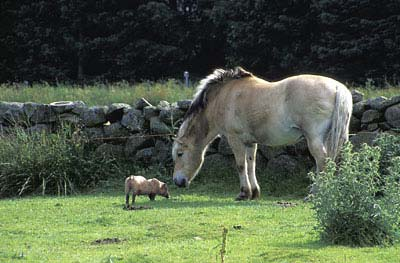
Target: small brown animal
{"points": [[141, 186]]}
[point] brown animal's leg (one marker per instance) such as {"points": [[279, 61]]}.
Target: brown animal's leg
{"points": [[133, 198], [152, 197], [239, 151], [251, 153], [127, 200]]}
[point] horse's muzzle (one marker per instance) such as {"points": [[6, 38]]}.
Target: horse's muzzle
{"points": [[180, 180]]}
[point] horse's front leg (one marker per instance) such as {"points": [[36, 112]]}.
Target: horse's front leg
{"points": [[239, 150], [251, 152]]}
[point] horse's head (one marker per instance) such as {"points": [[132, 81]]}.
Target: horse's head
{"points": [[188, 159]]}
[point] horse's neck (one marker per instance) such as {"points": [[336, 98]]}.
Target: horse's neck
{"points": [[203, 129]]}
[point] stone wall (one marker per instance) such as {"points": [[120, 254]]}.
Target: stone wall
{"points": [[143, 132]]}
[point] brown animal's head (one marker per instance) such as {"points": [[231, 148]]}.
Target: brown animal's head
{"points": [[164, 190]]}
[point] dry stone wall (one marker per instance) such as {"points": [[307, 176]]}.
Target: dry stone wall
{"points": [[142, 132]]}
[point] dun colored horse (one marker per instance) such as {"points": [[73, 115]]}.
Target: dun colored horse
{"points": [[248, 110]]}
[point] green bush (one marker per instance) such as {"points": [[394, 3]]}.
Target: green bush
{"points": [[347, 207], [49, 163], [390, 148]]}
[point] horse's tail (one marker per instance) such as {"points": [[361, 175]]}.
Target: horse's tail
{"points": [[338, 133]]}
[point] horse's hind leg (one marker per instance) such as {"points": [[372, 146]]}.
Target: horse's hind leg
{"points": [[251, 153], [239, 150], [318, 151]]}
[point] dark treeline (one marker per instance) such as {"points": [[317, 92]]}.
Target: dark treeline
{"points": [[110, 40]]}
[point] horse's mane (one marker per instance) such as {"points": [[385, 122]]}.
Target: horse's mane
{"points": [[210, 83]]}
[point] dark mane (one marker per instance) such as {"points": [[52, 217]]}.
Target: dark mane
{"points": [[210, 82]]}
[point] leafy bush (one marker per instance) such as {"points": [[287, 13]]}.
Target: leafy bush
{"points": [[347, 207], [49, 163], [390, 148]]}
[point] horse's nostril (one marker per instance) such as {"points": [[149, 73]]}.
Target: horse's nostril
{"points": [[180, 181]]}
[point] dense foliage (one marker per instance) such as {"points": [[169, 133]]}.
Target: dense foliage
{"points": [[134, 40], [355, 205], [51, 164]]}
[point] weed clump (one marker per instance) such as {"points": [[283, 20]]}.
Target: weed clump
{"points": [[348, 209], [48, 163]]}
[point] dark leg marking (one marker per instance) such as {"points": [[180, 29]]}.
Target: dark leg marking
{"points": [[127, 201], [255, 193], [152, 197], [243, 195]]}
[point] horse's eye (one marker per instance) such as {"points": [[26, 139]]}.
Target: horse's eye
{"points": [[180, 154]]}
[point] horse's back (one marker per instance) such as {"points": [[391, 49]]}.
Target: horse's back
{"points": [[276, 112]]}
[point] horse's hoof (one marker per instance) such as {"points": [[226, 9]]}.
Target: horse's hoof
{"points": [[255, 194], [242, 197]]}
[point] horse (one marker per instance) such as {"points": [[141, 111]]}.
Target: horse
{"points": [[248, 110]]}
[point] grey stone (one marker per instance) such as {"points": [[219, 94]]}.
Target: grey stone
{"points": [[357, 96], [150, 111], [94, 116], [39, 113], [79, 108], [133, 120], [145, 155], [69, 118], [299, 148], [376, 103], [370, 116], [216, 164], [184, 104], [135, 143], [270, 152], [116, 130], [363, 137], [116, 111], [66, 106], [285, 166], [12, 112], [390, 102], [359, 108], [159, 127], [171, 115], [384, 126], [392, 116], [162, 152], [141, 103], [95, 135], [39, 128], [223, 147], [110, 150], [355, 124], [163, 105], [372, 127]]}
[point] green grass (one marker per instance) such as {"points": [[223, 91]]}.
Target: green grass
{"points": [[387, 92], [102, 94], [186, 228], [99, 94]]}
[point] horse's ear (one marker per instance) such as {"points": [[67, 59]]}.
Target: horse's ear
{"points": [[240, 72]]}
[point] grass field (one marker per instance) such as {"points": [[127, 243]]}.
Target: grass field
{"points": [[185, 228], [124, 92]]}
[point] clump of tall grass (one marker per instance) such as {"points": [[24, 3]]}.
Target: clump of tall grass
{"points": [[47, 163], [355, 205]]}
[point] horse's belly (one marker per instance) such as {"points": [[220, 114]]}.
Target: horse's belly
{"points": [[282, 136]]}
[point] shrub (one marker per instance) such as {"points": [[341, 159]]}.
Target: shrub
{"points": [[390, 148], [347, 207], [48, 163]]}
